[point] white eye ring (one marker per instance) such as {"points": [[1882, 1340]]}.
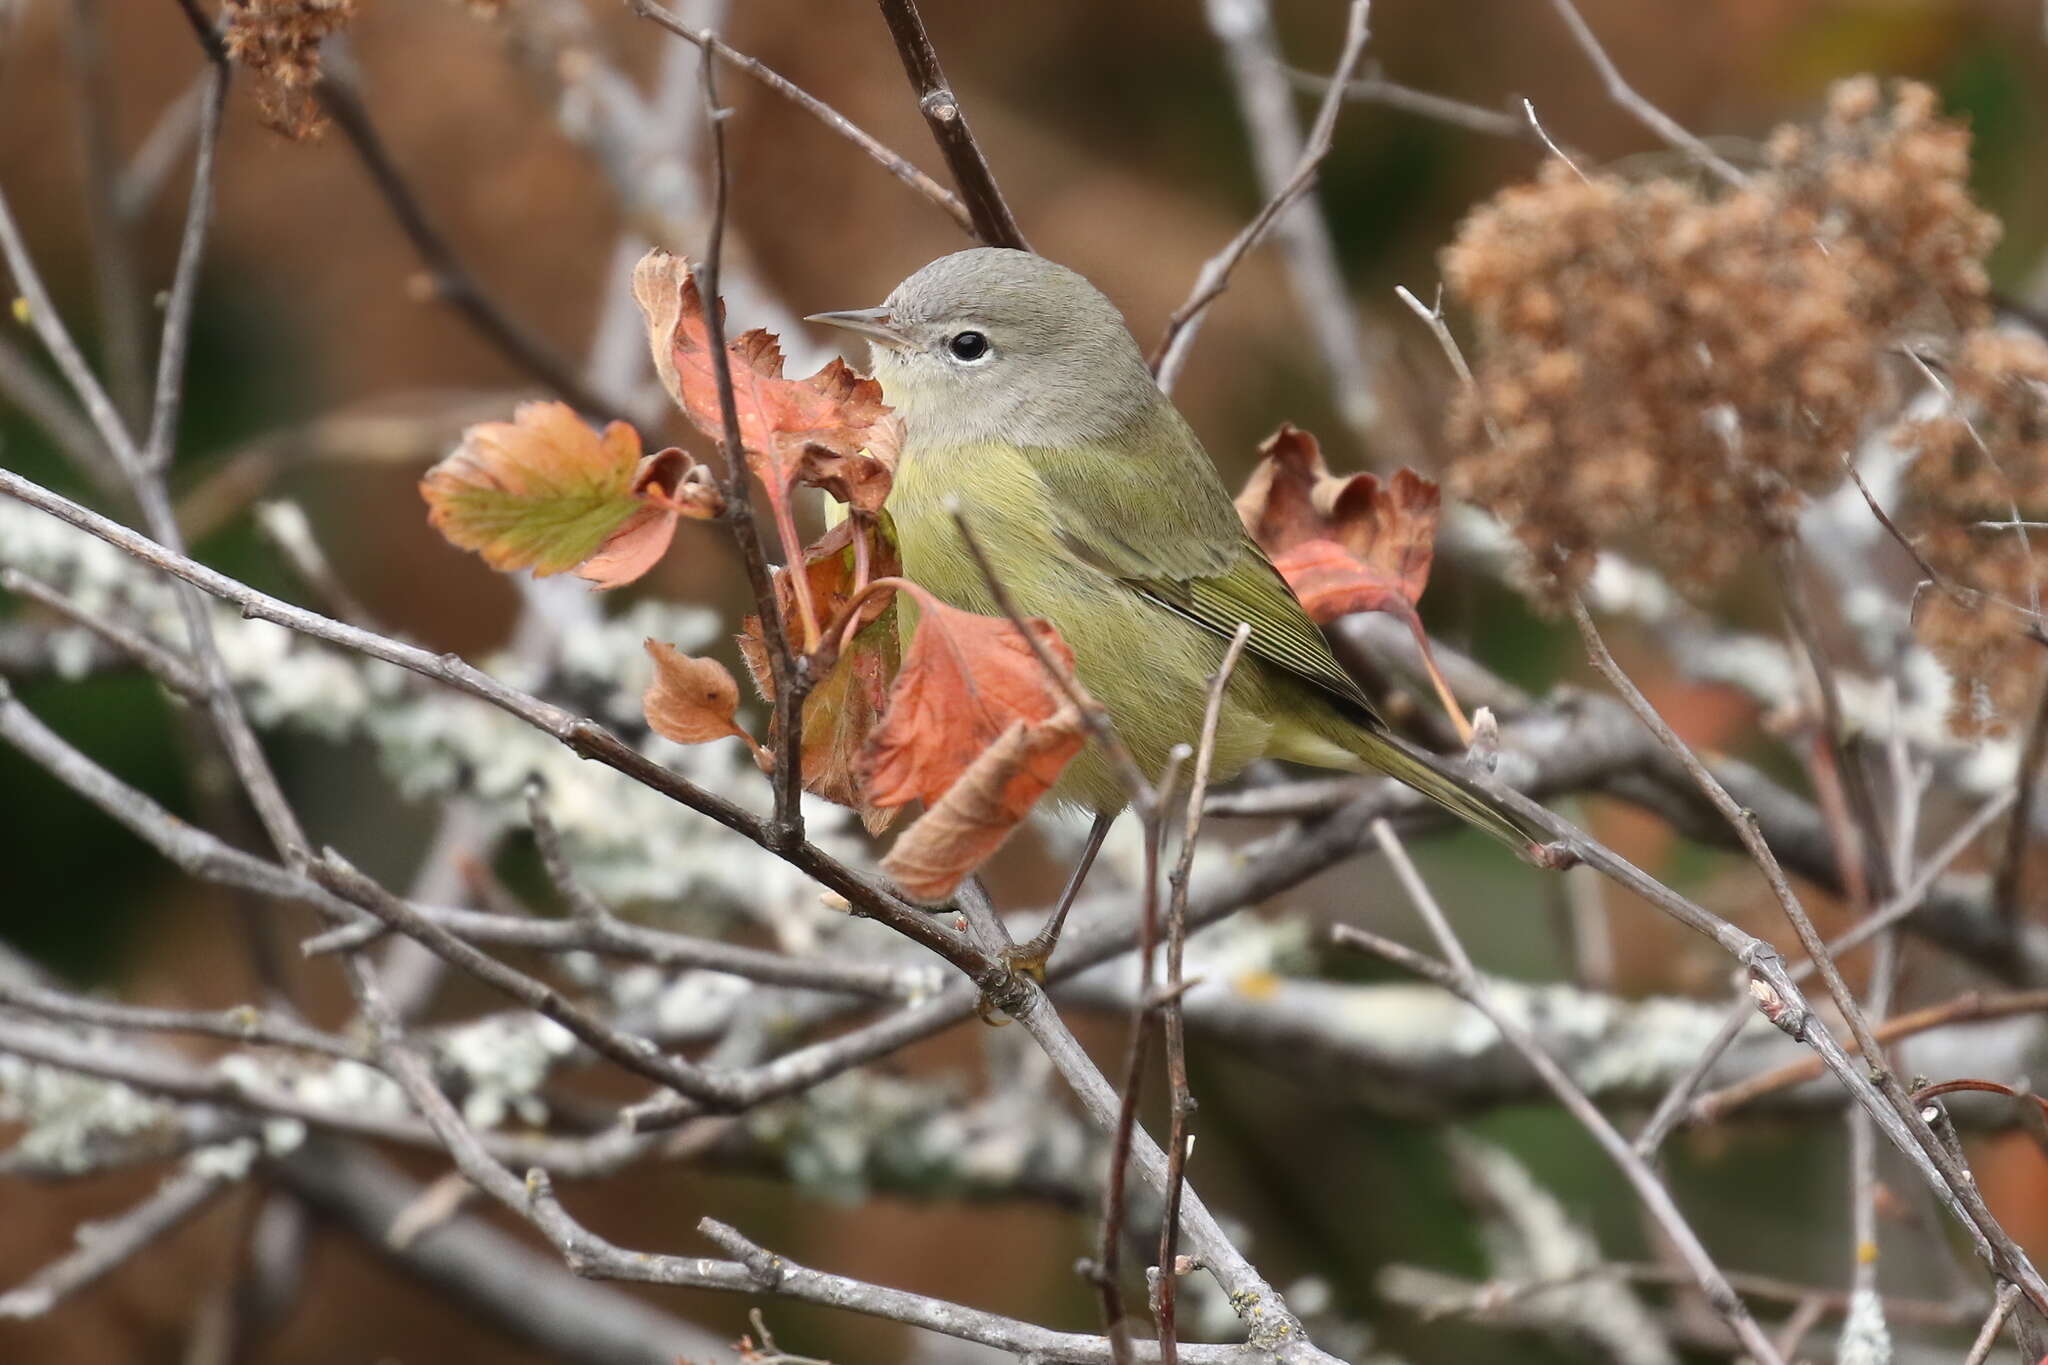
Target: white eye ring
{"points": [[969, 348]]}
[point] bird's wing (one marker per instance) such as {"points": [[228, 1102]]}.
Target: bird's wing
{"points": [[1186, 551]]}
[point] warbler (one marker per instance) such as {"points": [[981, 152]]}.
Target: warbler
{"points": [[1027, 404]]}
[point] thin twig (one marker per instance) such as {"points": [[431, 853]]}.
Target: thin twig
{"points": [[890, 161], [1376, 89], [242, 1023], [1101, 725], [1644, 112], [1458, 975], [1995, 1244], [2011, 869], [991, 219], [162, 664], [1172, 350], [1994, 1323], [102, 1247], [581, 735], [1173, 1023], [1266, 107], [788, 672], [452, 281], [117, 292]]}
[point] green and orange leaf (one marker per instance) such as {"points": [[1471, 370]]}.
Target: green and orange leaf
{"points": [[546, 492]]}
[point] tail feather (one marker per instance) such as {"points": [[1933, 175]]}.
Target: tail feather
{"points": [[1453, 791]]}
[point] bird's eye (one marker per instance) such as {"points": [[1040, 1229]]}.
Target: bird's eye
{"points": [[968, 346]]}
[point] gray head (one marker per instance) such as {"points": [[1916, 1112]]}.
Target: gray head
{"points": [[994, 344]]}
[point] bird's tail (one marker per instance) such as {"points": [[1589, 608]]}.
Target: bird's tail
{"points": [[1452, 790]]}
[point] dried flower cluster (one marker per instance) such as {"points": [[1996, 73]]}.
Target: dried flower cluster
{"points": [[1978, 468], [1680, 367], [279, 41]]}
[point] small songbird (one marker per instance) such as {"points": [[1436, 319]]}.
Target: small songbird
{"points": [[1026, 402]]}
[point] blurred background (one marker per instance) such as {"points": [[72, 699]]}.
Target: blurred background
{"points": [[324, 372]]}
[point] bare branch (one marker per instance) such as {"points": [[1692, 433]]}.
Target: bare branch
{"points": [[1644, 112], [890, 161], [105, 1246], [1171, 352], [452, 281], [1463, 979], [992, 222], [1895, 1108]]}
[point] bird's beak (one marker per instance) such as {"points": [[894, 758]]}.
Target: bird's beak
{"points": [[873, 323]]}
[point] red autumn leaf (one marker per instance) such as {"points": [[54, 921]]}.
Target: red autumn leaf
{"points": [[814, 431], [1343, 544], [981, 810], [1347, 545], [965, 680], [691, 701], [545, 492], [843, 707]]}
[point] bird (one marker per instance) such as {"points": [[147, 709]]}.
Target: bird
{"points": [[1027, 408]]}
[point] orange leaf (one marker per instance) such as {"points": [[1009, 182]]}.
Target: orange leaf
{"points": [[978, 812], [843, 707], [669, 484], [692, 701], [813, 431], [1344, 545], [965, 680]]}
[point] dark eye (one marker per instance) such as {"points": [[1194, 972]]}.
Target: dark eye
{"points": [[968, 346]]}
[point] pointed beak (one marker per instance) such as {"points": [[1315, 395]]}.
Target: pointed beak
{"points": [[873, 323]]}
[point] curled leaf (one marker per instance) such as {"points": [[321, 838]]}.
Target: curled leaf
{"points": [[692, 701], [812, 431], [965, 827], [965, 680], [1347, 545], [1343, 544], [669, 484]]}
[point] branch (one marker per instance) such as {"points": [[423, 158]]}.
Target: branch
{"points": [[105, 1246], [1644, 112], [992, 223], [1265, 103], [452, 281], [1893, 1107], [890, 161], [1460, 977], [583, 736], [499, 1277], [1172, 351]]}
